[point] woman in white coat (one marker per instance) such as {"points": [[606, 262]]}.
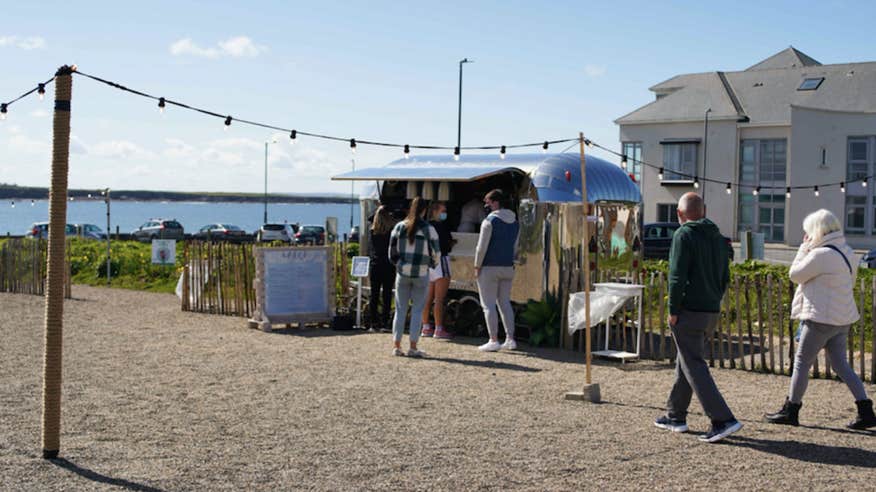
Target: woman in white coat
{"points": [[824, 302]]}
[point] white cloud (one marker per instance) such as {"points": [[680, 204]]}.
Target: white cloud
{"points": [[20, 143], [594, 70], [177, 149], [235, 47], [77, 146], [39, 113], [119, 149], [24, 43]]}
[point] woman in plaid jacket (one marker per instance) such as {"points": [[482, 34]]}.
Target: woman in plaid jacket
{"points": [[413, 248]]}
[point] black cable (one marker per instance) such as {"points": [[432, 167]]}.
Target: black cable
{"points": [[43, 85]]}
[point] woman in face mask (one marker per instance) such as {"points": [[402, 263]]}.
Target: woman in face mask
{"points": [[439, 277]]}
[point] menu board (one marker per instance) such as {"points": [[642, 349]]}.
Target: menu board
{"points": [[293, 285]]}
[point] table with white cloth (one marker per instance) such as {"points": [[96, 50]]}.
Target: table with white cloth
{"points": [[605, 299]]}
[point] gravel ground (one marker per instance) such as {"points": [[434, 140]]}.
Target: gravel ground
{"points": [[158, 399]]}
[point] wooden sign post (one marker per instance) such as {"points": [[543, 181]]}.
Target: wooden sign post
{"points": [[590, 392]]}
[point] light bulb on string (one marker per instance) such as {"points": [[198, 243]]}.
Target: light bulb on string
{"points": [[815, 190], [32, 202], [353, 145], [588, 142], [13, 203], [544, 147], [456, 153], [864, 183], [756, 191], [293, 135], [842, 186], [227, 122], [41, 90], [788, 192], [660, 174], [502, 152], [624, 162], [161, 105], [3, 111], [729, 189], [407, 151], [696, 183]]}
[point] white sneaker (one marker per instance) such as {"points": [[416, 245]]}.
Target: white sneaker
{"points": [[490, 347], [509, 344]]}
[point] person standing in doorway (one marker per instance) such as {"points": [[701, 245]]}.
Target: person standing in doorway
{"points": [[699, 272], [824, 302], [439, 277], [494, 268], [413, 247], [382, 274]]}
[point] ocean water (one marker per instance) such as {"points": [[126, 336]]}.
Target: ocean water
{"points": [[129, 215]]}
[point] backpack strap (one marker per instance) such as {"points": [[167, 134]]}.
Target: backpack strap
{"points": [[830, 246]]}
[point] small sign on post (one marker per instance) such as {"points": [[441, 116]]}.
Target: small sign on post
{"points": [[163, 252], [359, 269]]}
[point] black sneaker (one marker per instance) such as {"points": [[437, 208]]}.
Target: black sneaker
{"points": [[720, 431], [675, 425]]}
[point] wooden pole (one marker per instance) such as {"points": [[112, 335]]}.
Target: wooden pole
{"points": [[54, 318]]}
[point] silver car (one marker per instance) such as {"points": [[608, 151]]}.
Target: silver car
{"points": [[277, 232]]}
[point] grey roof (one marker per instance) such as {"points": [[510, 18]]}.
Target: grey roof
{"points": [[764, 93]]}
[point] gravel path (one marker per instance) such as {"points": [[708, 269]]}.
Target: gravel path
{"points": [[158, 399]]}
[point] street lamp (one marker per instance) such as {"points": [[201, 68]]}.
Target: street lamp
{"points": [[459, 112], [273, 141], [706, 152]]}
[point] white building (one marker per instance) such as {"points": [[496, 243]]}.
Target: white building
{"points": [[788, 121]]}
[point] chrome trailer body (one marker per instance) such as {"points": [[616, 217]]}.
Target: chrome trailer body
{"points": [[546, 194]]}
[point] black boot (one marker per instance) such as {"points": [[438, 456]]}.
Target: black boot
{"points": [[788, 415], [866, 418]]}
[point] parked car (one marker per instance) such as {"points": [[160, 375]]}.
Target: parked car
{"points": [[657, 239], [90, 231], [159, 229], [869, 259], [277, 232], [40, 230], [310, 234], [220, 232]]}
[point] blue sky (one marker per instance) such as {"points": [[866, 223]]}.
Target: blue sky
{"points": [[370, 70]]}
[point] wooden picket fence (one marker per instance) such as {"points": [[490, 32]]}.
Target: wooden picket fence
{"points": [[755, 331], [23, 267]]}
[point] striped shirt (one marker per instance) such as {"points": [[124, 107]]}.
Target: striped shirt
{"points": [[414, 259]]}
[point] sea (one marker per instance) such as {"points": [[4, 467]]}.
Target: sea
{"points": [[17, 217]]}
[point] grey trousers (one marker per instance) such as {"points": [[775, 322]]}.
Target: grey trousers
{"points": [[494, 286], [816, 336], [691, 370]]}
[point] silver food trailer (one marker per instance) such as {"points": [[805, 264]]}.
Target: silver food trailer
{"points": [[545, 190]]}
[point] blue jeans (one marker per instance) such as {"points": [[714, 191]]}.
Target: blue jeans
{"points": [[413, 290]]}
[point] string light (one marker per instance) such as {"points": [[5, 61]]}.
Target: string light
{"points": [[588, 142], [660, 174], [696, 182], [32, 203], [2, 111], [624, 162], [161, 105], [407, 151], [788, 192], [842, 186], [353, 145], [729, 189], [41, 90], [227, 122], [292, 136], [544, 147], [13, 203], [456, 153], [864, 182], [502, 152], [756, 191], [816, 190]]}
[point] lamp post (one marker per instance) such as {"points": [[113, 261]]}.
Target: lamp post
{"points": [[106, 194], [273, 141], [459, 112], [705, 152]]}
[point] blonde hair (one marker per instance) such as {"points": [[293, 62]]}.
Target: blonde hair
{"points": [[821, 223], [382, 222]]}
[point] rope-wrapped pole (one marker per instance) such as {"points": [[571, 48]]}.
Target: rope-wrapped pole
{"points": [[54, 325]]}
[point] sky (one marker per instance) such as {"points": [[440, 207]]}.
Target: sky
{"points": [[376, 70]]}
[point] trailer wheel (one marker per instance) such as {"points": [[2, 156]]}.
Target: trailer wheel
{"points": [[467, 316]]}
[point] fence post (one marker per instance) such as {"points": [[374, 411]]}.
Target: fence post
{"points": [[739, 323]]}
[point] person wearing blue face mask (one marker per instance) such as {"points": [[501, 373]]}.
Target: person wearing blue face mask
{"points": [[439, 277]]}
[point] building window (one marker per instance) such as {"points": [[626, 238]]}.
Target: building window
{"points": [[810, 84], [856, 207], [679, 161], [859, 158], [666, 212], [763, 163], [633, 151], [771, 216], [860, 212]]}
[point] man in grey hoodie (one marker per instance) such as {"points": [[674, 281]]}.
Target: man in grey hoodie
{"points": [[494, 267]]}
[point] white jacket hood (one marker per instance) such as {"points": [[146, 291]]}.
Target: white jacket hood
{"points": [[507, 216]]}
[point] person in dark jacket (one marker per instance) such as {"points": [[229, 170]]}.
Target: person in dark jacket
{"points": [[439, 277], [382, 274], [699, 272]]}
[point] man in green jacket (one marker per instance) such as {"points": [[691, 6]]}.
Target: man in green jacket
{"points": [[699, 271]]}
